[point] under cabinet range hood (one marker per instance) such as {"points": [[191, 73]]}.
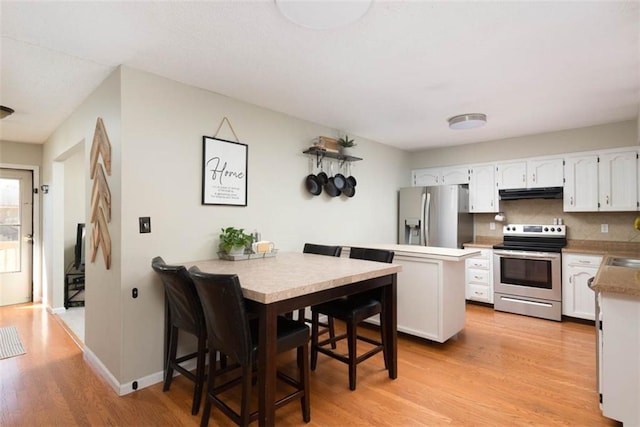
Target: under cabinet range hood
{"points": [[531, 193]]}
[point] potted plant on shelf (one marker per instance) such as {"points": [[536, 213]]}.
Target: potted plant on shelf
{"points": [[233, 241], [345, 145]]}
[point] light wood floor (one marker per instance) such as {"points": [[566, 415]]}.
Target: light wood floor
{"points": [[503, 369]]}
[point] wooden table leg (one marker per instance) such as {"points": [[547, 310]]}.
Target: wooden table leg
{"points": [[267, 364], [390, 312]]}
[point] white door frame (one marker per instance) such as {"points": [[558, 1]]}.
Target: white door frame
{"points": [[36, 267]]}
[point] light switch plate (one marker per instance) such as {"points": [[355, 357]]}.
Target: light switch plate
{"points": [[604, 228], [145, 224]]}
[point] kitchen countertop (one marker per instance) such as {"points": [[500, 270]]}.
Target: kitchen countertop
{"points": [[483, 242], [428, 252], [620, 280], [601, 247]]}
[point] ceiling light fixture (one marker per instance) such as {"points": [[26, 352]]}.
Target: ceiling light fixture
{"points": [[467, 121], [323, 15], [5, 112]]}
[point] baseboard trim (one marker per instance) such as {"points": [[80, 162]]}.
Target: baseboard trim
{"points": [[56, 310], [127, 388]]}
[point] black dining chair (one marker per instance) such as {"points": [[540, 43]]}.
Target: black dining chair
{"points": [[336, 251], [185, 313], [352, 310], [233, 332]]}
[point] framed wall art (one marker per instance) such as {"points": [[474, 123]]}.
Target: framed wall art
{"points": [[224, 172]]}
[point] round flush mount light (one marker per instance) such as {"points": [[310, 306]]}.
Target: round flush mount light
{"points": [[5, 111], [467, 121], [322, 14]]}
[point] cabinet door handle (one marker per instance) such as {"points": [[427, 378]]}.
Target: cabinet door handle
{"points": [[524, 178], [534, 177], [571, 200], [607, 199]]}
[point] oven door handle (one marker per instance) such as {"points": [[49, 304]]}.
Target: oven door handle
{"points": [[526, 254]]}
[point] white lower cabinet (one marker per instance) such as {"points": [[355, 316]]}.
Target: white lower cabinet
{"points": [[430, 294], [430, 297], [479, 277], [620, 381], [577, 299]]}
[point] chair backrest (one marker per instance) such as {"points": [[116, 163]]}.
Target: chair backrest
{"points": [[225, 314], [182, 297], [368, 254], [310, 248]]}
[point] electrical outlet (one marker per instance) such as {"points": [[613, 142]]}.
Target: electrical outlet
{"points": [[492, 226], [145, 224], [604, 228]]}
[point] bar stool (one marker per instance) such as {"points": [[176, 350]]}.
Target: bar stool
{"points": [[186, 314], [352, 310], [232, 332]]}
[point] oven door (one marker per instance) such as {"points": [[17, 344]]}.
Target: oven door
{"points": [[528, 274]]}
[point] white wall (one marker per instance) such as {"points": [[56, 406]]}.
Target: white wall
{"points": [[156, 126], [103, 321], [20, 153], [163, 125], [74, 201]]}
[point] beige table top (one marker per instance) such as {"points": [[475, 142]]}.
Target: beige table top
{"points": [[288, 274]]}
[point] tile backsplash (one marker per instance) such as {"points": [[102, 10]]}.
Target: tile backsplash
{"points": [[580, 225]]}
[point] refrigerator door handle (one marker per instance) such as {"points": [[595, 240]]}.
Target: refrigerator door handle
{"points": [[426, 205]]}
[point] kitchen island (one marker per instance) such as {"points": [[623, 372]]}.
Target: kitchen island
{"points": [[619, 289], [431, 289]]}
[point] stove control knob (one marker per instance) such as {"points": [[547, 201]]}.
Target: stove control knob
{"points": [[553, 229], [547, 229]]}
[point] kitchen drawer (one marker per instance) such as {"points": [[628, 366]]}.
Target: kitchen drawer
{"points": [[478, 276], [481, 263], [581, 260], [479, 293]]}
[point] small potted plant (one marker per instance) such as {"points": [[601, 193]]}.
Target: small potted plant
{"points": [[233, 241], [345, 145]]}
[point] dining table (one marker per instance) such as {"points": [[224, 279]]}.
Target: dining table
{"points": [[288, 281]]}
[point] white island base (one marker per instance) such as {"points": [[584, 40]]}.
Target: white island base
{"points": [[431, 289]]}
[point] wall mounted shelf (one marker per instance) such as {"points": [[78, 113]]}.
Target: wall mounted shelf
{"points": [[322, 154]]}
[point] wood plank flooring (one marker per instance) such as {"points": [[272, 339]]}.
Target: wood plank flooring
{"points": [[503, 369]]}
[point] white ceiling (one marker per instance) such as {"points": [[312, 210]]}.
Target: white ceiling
{"points": [[395, 76]]}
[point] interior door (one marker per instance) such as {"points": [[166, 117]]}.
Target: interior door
{"points": [[16, 231]]}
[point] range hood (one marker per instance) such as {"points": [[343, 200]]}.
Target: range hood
{"points": [[531, 193]]}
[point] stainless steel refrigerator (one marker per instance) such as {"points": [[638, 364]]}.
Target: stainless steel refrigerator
{"points": [[434, 216]]}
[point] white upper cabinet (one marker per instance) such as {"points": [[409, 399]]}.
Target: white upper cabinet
{"points": [[547, 172], [455, 175], [440, 176], [581, 184], [511, 175], [533, 173], [618, 180], [426, 177], [483, 192]]}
